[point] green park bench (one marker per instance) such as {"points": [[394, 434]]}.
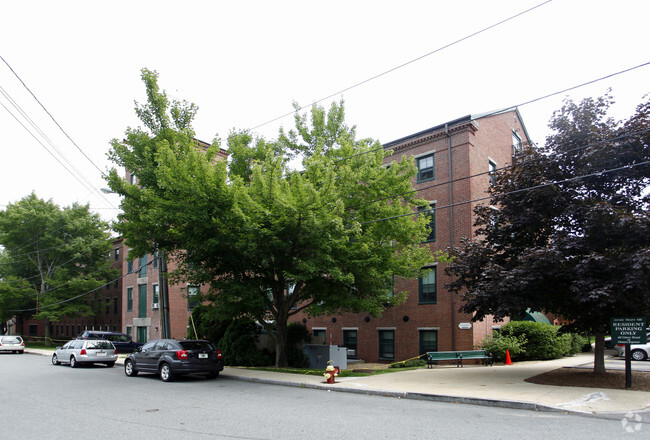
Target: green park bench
{"points": [[434, 356]]}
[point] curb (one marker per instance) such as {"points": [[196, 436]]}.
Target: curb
{"points": [[512, 404]]}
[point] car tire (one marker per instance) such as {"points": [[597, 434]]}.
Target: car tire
{"points": [[73, 362], [110, 364], [213, 375], [129, 368], [55, 360], [165, 372], [639, 355]]}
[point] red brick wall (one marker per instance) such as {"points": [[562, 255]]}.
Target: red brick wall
{"points": [[473, 144]]}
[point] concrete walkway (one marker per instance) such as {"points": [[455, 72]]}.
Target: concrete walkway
{"points": [[500, 385]]}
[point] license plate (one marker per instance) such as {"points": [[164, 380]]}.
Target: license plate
{"points": [[101, 353], [203, 355]]}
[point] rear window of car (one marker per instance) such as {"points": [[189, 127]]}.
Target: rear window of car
{"points": [[99, 345], [11, 340], [196, 345]]}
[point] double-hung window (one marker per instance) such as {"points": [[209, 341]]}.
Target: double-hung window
{"points": [[427, 287], [193, 297], [516, 143], [425, 168], [387, 344], [430, 212]]}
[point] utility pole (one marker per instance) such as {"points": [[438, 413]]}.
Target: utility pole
{"points": [[164, 297]]}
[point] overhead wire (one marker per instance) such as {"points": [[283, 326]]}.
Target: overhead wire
{"points": [[453, 43]]}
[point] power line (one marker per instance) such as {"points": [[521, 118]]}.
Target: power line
{"points": [[90, 186], [459, 179], [405, 64], [542, 185], [525, 102], [82, 294], [51, 117]]}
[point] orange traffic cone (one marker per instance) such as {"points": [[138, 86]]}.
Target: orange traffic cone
{"points": [[508, 360]]}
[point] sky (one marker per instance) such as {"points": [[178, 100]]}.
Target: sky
{"points": [[71, 71]]}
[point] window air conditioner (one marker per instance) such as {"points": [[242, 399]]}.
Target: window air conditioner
{"points": [[154, 306]]}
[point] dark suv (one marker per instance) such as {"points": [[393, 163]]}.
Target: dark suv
{"points": [[121, 341], [170, 357]]}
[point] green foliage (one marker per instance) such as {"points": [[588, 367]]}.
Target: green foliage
{"points": [[297, 336], [499, 344], [572, 232], [411, 363], [238, 345], [272, 241], [51, 260], [527, 340], [209, 323]]}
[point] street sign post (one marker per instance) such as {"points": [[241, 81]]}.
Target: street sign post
{"points": [[628, 331]]}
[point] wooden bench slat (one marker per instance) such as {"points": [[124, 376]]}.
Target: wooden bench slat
{"points": [[458, 356]]}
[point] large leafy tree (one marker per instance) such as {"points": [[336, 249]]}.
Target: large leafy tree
{"points": [[51, 259], [272, 241], [568, 229]]}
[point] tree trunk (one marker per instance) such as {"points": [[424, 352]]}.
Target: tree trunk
{"points": [[48, 333], [599, 353], [281, 360]]}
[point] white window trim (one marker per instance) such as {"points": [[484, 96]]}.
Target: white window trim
{"points": [[428, 153]]}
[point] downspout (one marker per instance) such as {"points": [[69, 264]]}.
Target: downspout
{"points": [[451, 234]]}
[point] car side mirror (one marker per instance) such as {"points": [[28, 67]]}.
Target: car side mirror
{"points": [[58, 348]]}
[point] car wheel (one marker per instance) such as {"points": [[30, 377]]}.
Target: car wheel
{"points": [[213, 375], [73, 362], [166, 374], [129, 368], [110, 364], [639, 355], [55, 360]]}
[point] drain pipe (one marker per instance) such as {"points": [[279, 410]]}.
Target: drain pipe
{"points": [[451, 234]]}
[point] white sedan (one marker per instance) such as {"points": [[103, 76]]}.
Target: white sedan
{"points": [[13, 343]]}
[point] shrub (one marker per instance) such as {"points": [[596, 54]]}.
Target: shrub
{"points": [[498, 344], [238, 345], [409, 363], [542, 341], [297, 335]]}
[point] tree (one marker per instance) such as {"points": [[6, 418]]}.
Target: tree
{"points": [[51, 258], [272, 241], [567, 230]]}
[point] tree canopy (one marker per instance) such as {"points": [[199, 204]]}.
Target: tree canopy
{"points": [[567, 230], [269, 240], [51, 258]]}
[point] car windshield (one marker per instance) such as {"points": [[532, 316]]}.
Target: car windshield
{"points": [[196, 345], [100, 345]]}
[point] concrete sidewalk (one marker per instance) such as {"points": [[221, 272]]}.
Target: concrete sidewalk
{"points": [[500, 385]]}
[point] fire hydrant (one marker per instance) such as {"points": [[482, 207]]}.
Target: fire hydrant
{"points": [[330, 374]]}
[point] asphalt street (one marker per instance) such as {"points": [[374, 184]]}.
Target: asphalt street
{"points": [[59, 402]]}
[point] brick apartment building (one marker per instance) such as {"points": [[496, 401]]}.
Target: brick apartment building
{"points": [[429, 320]]}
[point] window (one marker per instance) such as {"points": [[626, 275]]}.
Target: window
{"points": [[492, 169], [115, 304], [143, 267], [129, 266], [108, 306], [132, 178], [117, 254], [425, 168], [350, 342], [193, 297], [427, 289], [155, 294], [516, 143], [155, 260], [142, 301], [428, 341], [387, 344], [429, 211], [129, 299], [129, 331], [319, 336]]}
